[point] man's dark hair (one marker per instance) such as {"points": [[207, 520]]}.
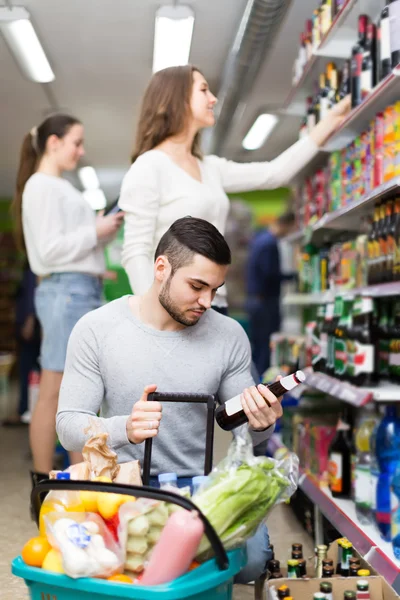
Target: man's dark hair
{"points": [[189, 236], [288, 218]]}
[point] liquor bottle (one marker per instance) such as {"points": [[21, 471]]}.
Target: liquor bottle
{"points": [[327, 562], [382, 237], [347, 551], [274, 569], [316, 33], [323, 97], [333, 80], [297, 548], [373, 247], [349, 595], [231, 414], [340, 343], [385, 59], [321, 552], [361, 356], [354, 561], [318, 596], [337, 313], [325, 588], [362, 590], [340, 458], [363, 21], [345, 80], [394, 20], [328, 571], [308, 39], [302, 567], [354, 568], [283, 592], [357, 56], [363, 487], [367, 67], [292, 566], [394, 344], [339, 555], [390, 239], [396, 245]]}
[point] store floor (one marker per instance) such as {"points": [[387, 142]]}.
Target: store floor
{"points": [[16, 526]]}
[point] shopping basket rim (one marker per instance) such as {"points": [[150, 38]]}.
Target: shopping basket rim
{"points": [[205, 577]]}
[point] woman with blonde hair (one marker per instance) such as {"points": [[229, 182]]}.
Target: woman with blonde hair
{"points": [[64, 242], [170, 178]]}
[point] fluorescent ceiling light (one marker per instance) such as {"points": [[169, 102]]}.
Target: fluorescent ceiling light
{"points": [[24, 44], [172, 36], [95, 198], [259, 131], [88, 178]]}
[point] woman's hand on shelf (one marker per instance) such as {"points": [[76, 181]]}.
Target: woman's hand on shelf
{"points": [[334, 118]]}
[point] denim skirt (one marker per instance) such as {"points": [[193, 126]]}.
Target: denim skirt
{"points": [[61, 299]]}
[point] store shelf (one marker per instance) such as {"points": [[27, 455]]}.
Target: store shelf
{"points": [[359, 119], [346, 218], [380, 290], [356, 396], [341, 513], [336, 44]]}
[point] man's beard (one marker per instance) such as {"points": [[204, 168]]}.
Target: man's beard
{"points": [[171, 308]]}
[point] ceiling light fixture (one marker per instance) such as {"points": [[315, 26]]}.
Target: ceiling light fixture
{"points": [[172, 36], [24, 44], [88, 178], [259, 131]]}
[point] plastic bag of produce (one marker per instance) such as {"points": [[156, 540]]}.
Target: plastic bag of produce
{"points": [[241, 491], [87, 547]]}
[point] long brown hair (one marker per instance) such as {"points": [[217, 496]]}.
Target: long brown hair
{"points": [[32, 150], [165, 109]]}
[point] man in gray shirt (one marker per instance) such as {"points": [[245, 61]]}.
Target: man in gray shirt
{"points": [[168, 340]]}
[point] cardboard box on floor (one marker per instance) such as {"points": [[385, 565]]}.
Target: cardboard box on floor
{"points": [[304, 589]]}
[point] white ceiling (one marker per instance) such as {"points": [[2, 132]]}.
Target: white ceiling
{"points": [[101, 53]]}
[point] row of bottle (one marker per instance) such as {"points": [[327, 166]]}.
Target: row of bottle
{"points": [[384, 243], [356, 340], [366, 467], [374, 55], [325, 592]]}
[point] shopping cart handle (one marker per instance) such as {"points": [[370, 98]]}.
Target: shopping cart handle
{"points": [[136, 491]]}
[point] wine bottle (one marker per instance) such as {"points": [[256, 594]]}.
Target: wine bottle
{"points": [[394, 20], [356, 70], [384, 49], [231, 414]]}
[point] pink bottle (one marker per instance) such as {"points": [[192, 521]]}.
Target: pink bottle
{"points": [[176, 548]]}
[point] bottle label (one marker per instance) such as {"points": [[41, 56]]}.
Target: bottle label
{"points": [[288, 382], [366, 82], [360, 358], [233, 406], [323, 108], [385, 39], [340, 356], [356, 65], [394, 21], [335, 469], [363, 487]]}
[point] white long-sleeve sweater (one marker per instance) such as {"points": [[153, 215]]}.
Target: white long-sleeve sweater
{"points": [[156, 191], [59, 228]]}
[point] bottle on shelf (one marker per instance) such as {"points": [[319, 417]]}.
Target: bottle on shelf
{"points": [[324, 102], [395, 513], [336, 310], [354, 567], [345, 80], [318, 596], [321, 553], [308, 38], [231, 414], [347, 551], [357, 56], [340, 342], [394, 21], [384, 338], [373, 247], [349, 595], [283, 592], [302, 567], [327, 562], [363, 479], [368, 66], [296, 547], [387, 454], [394, 344], [363, 590], [382, 239], [361, 343], [328, 571], [340, 458], [325, 588], [385, 58], [274, 568], [390, 238], [363, 22], [396, 243], [292, 566]]}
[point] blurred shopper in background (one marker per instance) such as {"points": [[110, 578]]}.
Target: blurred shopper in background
{"points": [[264, 279], [170, 178], [28, 340], [64, 241]]}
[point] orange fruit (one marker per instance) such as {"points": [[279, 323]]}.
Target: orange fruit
{"points": [[35, 550], [120, 578]]}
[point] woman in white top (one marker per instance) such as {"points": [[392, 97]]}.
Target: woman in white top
{"points": [[64, 241], [169, 177]]}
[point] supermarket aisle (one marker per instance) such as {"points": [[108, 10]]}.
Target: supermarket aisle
{"points": [[16, 526]]}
